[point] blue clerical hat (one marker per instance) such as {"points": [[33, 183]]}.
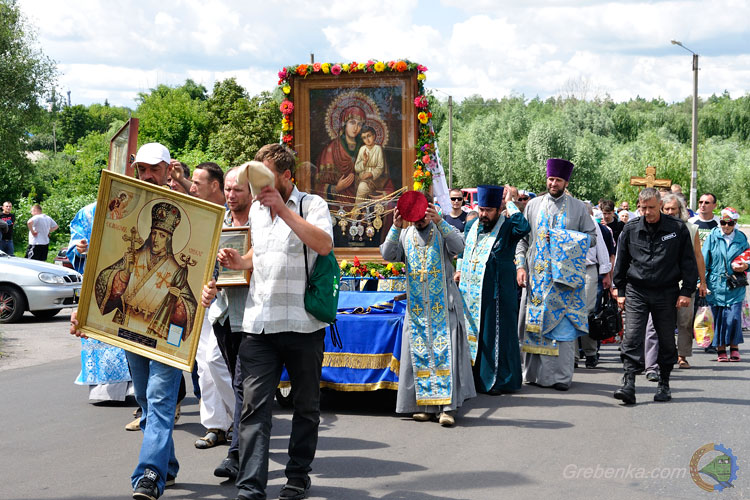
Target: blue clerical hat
{"points": [[489, 196]]}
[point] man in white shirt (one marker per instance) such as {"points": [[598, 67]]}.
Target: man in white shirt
{"points": [[278, 330], [40, 226]]}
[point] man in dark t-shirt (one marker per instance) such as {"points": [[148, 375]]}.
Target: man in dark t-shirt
{"points": [[705, 220], [456, 217], [6, 238]]}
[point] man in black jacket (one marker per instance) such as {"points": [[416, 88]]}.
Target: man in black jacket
{"points": [[654, 254]]}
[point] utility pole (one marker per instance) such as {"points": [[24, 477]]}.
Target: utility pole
{"points": [[450, 142], [312, 58], [694, 161]]}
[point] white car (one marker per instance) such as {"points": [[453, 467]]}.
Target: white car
{"points": [[35, 286]]}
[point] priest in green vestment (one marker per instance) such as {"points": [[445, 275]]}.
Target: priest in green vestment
{"points": [[486, 273], [435, 371]]}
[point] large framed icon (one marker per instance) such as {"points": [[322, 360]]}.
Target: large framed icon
{"points": [[239, 239], [355, 137], [151, 251], [122, 148]]}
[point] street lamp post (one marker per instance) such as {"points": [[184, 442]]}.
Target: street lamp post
{"points": [[694, 162]]}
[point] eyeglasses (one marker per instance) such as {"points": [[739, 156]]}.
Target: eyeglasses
{"points": [[704, 202], [729, 223], [457, 199], [523, 198]]}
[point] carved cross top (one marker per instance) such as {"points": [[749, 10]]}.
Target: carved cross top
{"points": [[650, 179]]}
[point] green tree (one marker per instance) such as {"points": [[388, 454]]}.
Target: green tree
{"points": [[26, 78], [73, 123]]}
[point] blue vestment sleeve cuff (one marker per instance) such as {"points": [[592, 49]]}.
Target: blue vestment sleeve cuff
{"points": [[393, 234], [511, 208], [444, 228]]}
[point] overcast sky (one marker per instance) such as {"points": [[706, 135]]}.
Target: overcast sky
{"points": [[114, 50]]}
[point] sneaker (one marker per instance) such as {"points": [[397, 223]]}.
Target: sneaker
{"points": [[171, 480], [652, 377], [229, 468], [145, 489], [135, 425], [591, 361]]}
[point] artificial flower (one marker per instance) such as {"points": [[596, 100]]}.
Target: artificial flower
{"points": [[361, 66], [417, 186], [282, 74], [336, 69], [286, 89], [288, 138], [426, 159], [302, 69], [343, 264], [286, 124], [395, 271], [326, 68], [379, 66], [389, 266], [421, 76], [417, 173], [421, 68], [356, 261], [345, 68], [286, 107], [374, 273], [422, 116], [421, 101], [316, 67], [401, 66]]}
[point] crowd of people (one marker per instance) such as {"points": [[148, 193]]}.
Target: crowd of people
{"points": [[496, 298]]}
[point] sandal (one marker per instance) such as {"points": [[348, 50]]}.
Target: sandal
{"points": [[683, 363], [734, 355], [722, 357], [212, 438], [295, 489]]}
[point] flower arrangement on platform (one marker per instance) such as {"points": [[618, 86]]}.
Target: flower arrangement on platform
{"points": [[371, 269], [425, 165]]}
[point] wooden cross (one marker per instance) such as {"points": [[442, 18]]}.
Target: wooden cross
{"points": [[650, 180]]}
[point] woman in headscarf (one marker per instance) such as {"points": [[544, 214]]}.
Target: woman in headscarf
{"points": [[723, 244]]}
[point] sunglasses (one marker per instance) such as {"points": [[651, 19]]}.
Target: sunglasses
{"points": [[704, 202], [727, 223], [457, 199], [523, 198]]}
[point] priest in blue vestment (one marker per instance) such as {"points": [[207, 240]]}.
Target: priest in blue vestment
{"points": [[551, 266], [435, 370], [488, 287]]}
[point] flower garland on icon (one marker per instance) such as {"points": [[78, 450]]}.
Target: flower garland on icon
{"points": [[371, 269], [425, 165]]}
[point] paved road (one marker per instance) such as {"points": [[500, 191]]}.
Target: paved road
{"points": [[535, 444]]}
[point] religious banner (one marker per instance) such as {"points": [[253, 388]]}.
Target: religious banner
{"points": [[151, 251], [362, 133], [122, 149]]}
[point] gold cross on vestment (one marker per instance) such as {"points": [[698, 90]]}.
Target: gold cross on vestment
{"points": [[163, 279], [540, 266], [417, 310], [437, 308], [434, 273], [536, 300], [650, 179]]}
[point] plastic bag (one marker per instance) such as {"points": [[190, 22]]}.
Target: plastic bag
{"points": [[703, 325], [746, 310]]}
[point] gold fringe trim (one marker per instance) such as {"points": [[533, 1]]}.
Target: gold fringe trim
{"points": [[533, 328], [546, 351], [431, 402], [360, 387], [395, 365], [357, 361]]}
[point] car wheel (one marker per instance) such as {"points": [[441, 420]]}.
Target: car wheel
{"points": [[12, 304], [46, 314], [284, 397]]}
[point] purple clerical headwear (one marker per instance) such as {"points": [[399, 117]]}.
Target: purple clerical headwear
{"points": [[489, 196], [557, 167]]}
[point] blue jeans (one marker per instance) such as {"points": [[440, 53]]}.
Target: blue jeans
{"points": [[156, 386], [7, 247]]}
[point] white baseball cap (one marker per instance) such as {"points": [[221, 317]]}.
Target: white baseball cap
{"points": [[152, 153]]}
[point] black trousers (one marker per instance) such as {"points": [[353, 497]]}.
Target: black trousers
{"points": [[261, 359], [639, 303], [37, 252], [229, 345]]}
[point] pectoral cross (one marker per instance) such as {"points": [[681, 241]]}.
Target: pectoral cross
{"points": [[650, 179], [163, 279], [475, 261]]}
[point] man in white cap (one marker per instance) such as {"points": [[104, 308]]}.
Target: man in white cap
{"points": [[156, 384]]}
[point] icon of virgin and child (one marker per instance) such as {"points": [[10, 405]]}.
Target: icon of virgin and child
{"points": [[147, 288], [352, 167]]}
